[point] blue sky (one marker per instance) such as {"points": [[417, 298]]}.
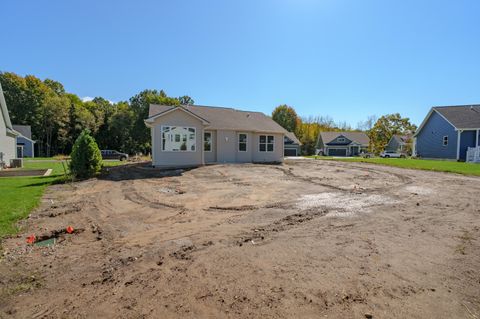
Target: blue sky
{"points": [[344, 58]]}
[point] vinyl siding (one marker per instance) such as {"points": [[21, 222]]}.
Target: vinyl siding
{"points": [[7, 143], [275, 156], [430, 139], [337, 142], [392, 145], [467, 139]]}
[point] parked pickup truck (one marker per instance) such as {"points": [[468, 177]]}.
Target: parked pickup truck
{"points": [[115, 155], [393, 154]]}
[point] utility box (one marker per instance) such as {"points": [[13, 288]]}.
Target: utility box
{"points": [[16, 163]]}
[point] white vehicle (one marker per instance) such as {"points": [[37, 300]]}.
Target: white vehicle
{"points": [[393, 154]]}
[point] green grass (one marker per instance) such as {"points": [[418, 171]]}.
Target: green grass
{"points": [[19, 195], [429, 165]]}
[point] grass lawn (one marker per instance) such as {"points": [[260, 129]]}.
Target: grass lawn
{"points": [[429, 165], [19, 195]]}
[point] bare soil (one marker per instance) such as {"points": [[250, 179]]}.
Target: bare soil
{"points": [[307, 239]]}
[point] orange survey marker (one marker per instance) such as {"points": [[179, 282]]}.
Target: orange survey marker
{"points": [[31, 239], [70, 229]]}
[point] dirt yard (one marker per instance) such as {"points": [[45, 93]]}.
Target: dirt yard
{"points": [[307, 239]]}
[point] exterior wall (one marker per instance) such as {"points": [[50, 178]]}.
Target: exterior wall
{"points": [[177, 159], [430, 139], [226, 146], [7, 143], [211, 157], [467, 139], [275, 156], [392, 145], [245, 157], [27, 146]]}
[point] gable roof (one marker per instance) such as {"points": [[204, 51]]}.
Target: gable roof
{"points": [[358, 137], [459, 116], [222, 118], [402, 139], [291, 136], [24, 130], [5, 116]]}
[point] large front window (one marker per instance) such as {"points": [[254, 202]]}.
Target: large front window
{"points": [[266, 143], [178, 139]]}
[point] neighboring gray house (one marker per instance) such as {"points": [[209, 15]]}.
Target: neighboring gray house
{"points": [[342, 143], [291, 145], [399, 143], [7, 134], [447, 132], [196, 135], [25, 144]]}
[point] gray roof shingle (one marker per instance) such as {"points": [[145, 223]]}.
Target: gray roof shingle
{"points": [[461, 116], [222, 118], [359, 137], [25, 130]]}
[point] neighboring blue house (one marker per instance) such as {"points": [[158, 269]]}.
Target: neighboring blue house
{"points": [[25, 144], [447, 132], [342, 143], [399, 143]]}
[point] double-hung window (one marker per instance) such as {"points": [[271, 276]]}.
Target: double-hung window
{"points": [[265, 143], [178, 139], [242, 142], [445, 140]]}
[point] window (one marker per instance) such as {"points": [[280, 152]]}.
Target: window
{"points": [[207, 141], [445, 140], [242, 142], [178, 139], [341, 139], [266, 143]]}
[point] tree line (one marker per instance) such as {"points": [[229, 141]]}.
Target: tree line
{"points": [[58, 117], [379, 130]]}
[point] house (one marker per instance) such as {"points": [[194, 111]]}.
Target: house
{"points": [[342, 143], [399, 143], [7, 134], [190, 135], [291, 145], [25, 144], [447, 132]]}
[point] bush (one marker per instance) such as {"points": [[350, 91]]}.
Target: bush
{"points": [[86, 157]]}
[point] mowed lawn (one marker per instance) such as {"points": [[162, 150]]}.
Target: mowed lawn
{"points": [[423, 164], [19, 195]]}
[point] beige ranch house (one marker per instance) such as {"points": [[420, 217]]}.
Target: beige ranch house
{"points": [[185, 136]]}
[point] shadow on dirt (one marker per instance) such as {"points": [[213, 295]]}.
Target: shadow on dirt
{"points": [[142, 170]]}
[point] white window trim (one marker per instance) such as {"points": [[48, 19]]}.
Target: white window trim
{"points": [[443, 140], [266, 143], [211, 141], [246, 143], [179, 151]]}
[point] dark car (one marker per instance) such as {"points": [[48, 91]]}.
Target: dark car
{"points": [[116, 155]]}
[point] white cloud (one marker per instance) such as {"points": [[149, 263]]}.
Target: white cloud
{"points": [[89, 98]]}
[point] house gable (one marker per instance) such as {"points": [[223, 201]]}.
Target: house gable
{"points": [[430, 137], [339, 140]]}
